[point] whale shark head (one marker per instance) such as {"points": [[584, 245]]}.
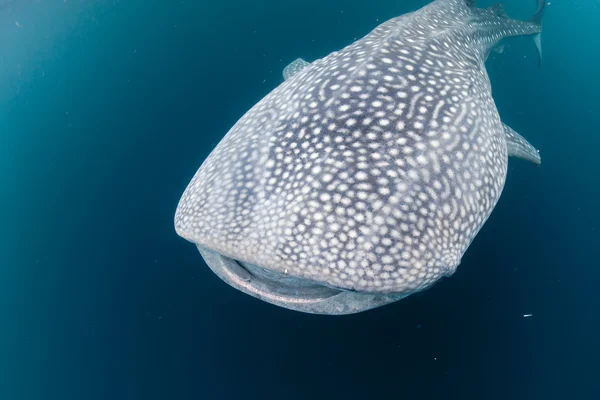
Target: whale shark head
{"points": [[363, 177]]}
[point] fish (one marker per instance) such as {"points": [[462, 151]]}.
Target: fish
{"points": [[365, 175]]}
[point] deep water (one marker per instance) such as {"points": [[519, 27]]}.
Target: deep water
{"points": [[108, 108]]}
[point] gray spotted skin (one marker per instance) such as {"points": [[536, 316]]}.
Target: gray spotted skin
{"points": [[370, 170]]}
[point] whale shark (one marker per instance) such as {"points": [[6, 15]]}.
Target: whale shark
{"points": [[365, 175]]}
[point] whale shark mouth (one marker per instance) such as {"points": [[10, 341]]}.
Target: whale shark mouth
{"points": [[283, 284], [294, 293]]}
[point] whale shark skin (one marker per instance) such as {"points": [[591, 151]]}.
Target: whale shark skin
{"points": [[365, 175]]}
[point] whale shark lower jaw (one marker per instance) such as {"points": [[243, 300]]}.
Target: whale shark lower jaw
{"points": [[293, 293]]}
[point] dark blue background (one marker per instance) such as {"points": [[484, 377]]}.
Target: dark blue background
{"points": [[108, 108]]}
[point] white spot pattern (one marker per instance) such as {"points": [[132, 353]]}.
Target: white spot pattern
{"points": [[373, 168]]}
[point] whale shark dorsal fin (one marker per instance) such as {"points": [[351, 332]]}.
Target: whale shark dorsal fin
{"points": [[498, 9], [499, 49], [519, 147], [454, 3], [294, 67]]}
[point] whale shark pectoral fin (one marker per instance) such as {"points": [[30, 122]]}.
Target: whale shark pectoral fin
{"points": [[294, 67], [519, 147]]}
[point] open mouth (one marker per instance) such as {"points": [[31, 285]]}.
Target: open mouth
{"points": [[292, 292]]}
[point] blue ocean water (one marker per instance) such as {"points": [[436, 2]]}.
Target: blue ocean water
{"points": [[107, 108]]}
